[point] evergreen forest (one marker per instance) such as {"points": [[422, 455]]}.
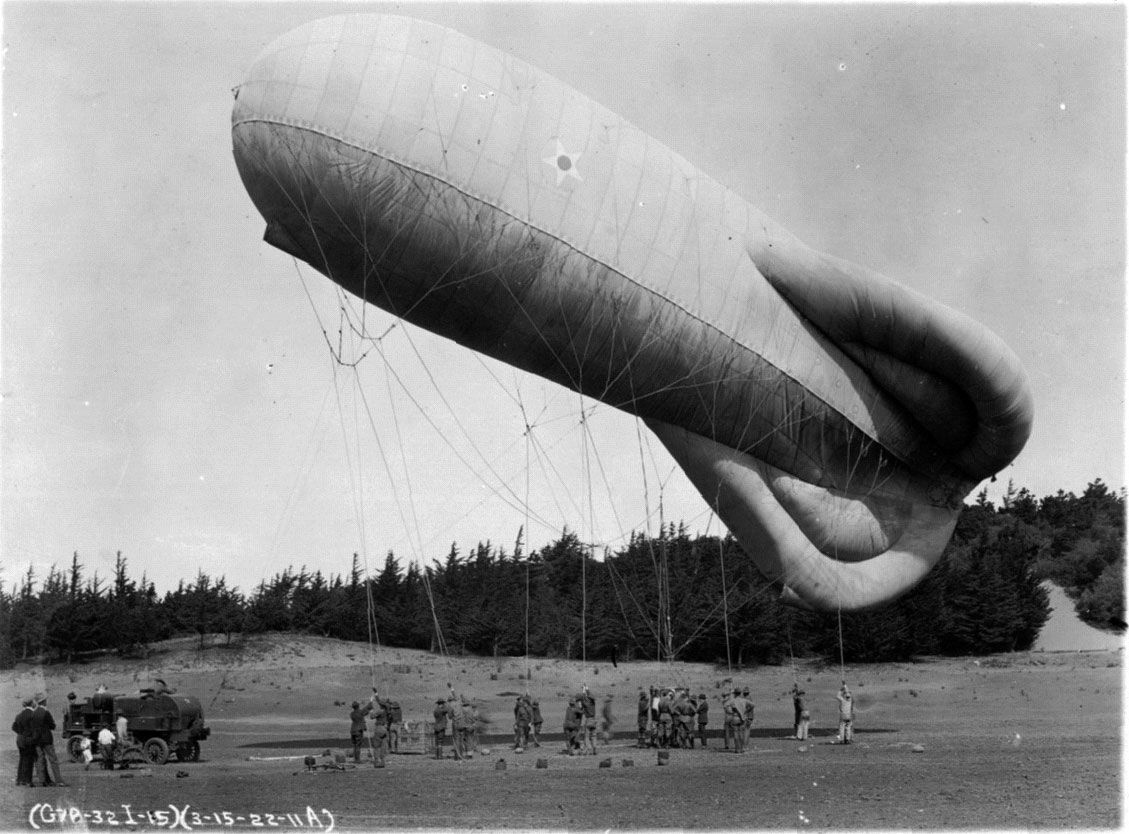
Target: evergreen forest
{"points": [[658, 597]]}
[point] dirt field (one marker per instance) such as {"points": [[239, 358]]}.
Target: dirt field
{"points": [[1029, 740]]}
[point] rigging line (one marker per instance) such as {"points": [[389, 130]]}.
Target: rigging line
{"points": [[615, 573], [528, 442], [396, 493], [348, 449], [591, 536], [357, 489], [309, 454], [725, 605], [619, 601], [842, 671], [514, 501], [791, 654]]}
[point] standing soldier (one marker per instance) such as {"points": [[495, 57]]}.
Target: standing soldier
{"points": [[797, 709], [46, 759], [573, 719], [735, 718], [357, 726], [122, 727], [379, 742], [703, 717], [747, 727], [523, 716], [460, 721], [686, 712], [643, 714], [472, 725], [726, 708], [606, 721], [846, 714], [666, 719], [27, 740], [106, 742], [538, 720], [395, 718], [440, 728], [588, 729]]}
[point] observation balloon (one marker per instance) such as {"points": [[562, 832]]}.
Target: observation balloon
{"points": [[834, 419]]}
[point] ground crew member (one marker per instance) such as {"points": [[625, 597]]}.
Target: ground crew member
{"points": [[642, 718], [523, 716], [703, 713], [440, 727], [573, 720], [46, 759], [122, 727], [685, 710], [588, 726], [666, 720], [357, 726], [747, 727], [537, 722], [473, 726], [797, 710], [846, 714], [735, 718], [395, 718], [726, 708], [106, 743], [27, 741], [379, 743], [462, 723], [606, 721]]}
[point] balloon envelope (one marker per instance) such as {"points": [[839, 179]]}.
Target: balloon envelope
{"points": [[834, 419]]}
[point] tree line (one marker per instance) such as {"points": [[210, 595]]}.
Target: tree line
{"points": [[658, 597]]}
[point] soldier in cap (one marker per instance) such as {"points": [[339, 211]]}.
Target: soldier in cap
{"points": [[357, 726], [47, 762], [747, 727], [703, 713], [846, 714], [735, 710], [523, 717], [27, 742], [440, 726], [395, 719], [606, 721], [797, 710], [642, 718], [588, 723], [538, 720]]}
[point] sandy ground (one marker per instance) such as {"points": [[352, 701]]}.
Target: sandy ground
{"points": [[1026, 740]]}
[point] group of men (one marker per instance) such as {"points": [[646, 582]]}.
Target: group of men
{"points": [[666, 718], [527, 722], [34, 728], [802, 721], [382, 718], [580, 725], [462, 715]]}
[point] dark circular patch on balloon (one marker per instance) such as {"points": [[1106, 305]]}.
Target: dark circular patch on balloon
{"points": [[563, 162]]}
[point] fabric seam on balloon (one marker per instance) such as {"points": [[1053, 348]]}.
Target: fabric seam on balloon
{"points": [[394, 158]]}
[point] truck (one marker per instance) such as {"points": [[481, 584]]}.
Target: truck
{"points": [[161, 723]]}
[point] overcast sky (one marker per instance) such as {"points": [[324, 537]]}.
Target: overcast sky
{"points": [[167, 391]]}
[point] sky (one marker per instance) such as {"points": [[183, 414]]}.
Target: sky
{"points": [[167, 389]]}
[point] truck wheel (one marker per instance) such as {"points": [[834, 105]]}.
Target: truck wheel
{"points": [[156, 751], [74, 748]]}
